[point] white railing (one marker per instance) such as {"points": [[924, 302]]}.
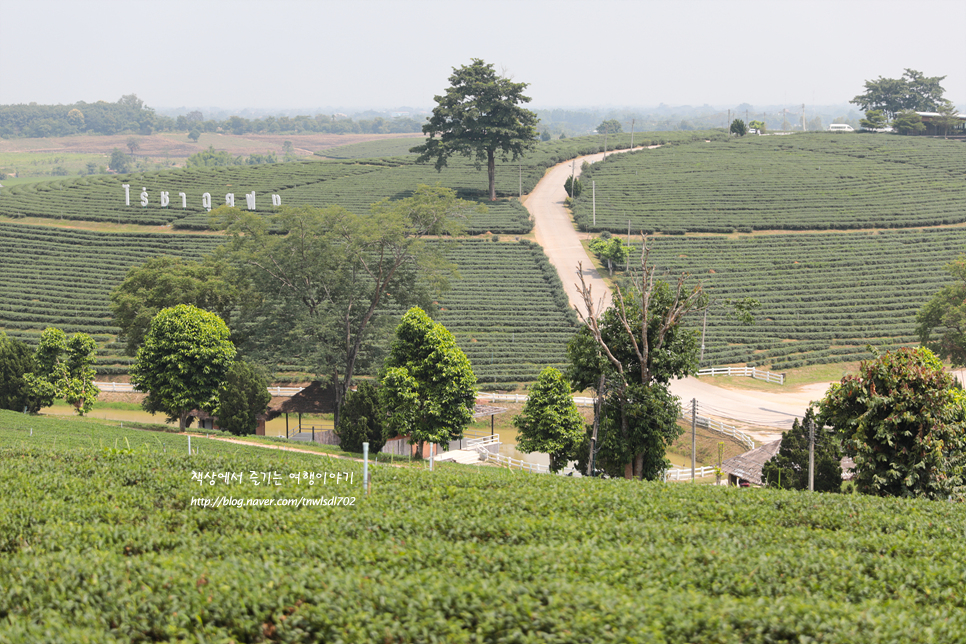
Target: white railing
{"points": [[678, 474], [758, 374], [720, 428], [582, 401], [126, 387], [510, 462], [482, 442]]}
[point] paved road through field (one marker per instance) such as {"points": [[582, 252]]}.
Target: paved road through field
{"points": [[554, 230]]}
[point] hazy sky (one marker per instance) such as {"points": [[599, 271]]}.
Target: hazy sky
{"points": [[388, 53]]}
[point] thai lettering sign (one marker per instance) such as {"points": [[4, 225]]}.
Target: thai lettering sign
{"points": [[165, 198]]}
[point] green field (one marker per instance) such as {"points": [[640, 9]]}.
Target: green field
{"points": [[104, 545], [815, 181]]}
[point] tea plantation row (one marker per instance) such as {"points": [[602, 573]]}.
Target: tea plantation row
{"points": [[104, 545], [824, 296], [62, 277], [802, 182]]}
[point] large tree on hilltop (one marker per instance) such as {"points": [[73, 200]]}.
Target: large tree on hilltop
{"points": [[914, 91], [479, 115]]}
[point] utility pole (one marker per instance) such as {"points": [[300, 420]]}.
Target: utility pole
{"points": [[728, 122], [632, 134], [803, 118], [811, 455], [704, 328], [593, 185], [694, 425]]}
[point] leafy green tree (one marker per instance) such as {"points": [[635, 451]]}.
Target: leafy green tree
{"points": [[628, 355], [901, 419], [194, 134], [948, 118], [64, 368], [758, 125], [16, 361], [738, 127], [242, 397], [610, 249], [788, 470], [908, 122], [914, 92], [479, 116], [941, 322], [183, 362], [165, 281], [326, 277], [119, 162], [428, 386], [545, 135], [874, 120], [573, 187], [610, 126], [361, 420], [133, 144], [550, 421]]}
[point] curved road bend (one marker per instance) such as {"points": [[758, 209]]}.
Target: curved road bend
{"points": [[554, 230]]}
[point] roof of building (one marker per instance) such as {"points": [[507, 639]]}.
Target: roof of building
{"points": [[748, 466], [314, 399]]}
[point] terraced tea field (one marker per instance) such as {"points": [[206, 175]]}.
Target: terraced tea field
{"points": [[115, 545], [63, 278], [804, 182], [824, 296]]}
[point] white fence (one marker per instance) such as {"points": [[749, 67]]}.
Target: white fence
{"points": [[758, 374], [720, 428], [510, 462], [126, 387], [678, 474], [582, 401]]}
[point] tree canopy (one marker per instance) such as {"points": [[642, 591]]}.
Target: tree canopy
{"points": [[242, 398], [16, 361], [64, 368], [941, 322], [550, 421], [324, 277], [738, 127], [361, 420], [428, 386], [788, 470], [166, 281], [478, 117], [901, 419], [183, 362], [914, 91]]}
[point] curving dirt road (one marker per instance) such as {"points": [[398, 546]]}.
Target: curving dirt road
{"points": [[554, 230]]}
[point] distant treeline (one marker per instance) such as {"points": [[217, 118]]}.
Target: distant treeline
{"points": [[130, 115]]}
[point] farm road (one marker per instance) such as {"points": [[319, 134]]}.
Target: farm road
{"points": [[554, 230]]}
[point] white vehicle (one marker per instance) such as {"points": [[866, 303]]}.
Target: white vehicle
{"points": [[840, 127]]}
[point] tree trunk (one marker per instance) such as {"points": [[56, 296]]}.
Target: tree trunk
{"points": [[182, 420], [639, 466], [491, 171]]}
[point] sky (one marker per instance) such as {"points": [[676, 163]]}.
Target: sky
{"points": [[389, 54]]}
